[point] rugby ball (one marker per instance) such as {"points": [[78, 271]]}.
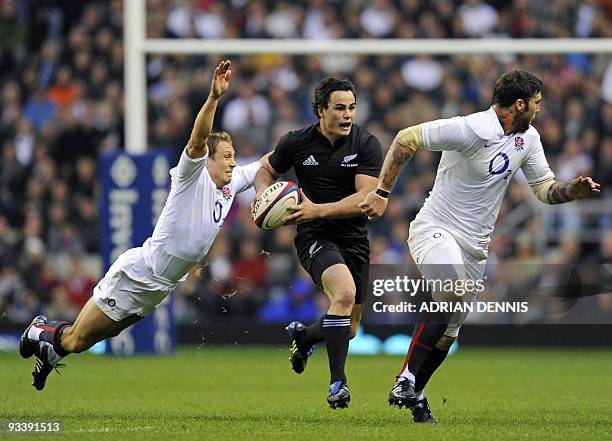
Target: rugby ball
{"points": [[273, 205]]}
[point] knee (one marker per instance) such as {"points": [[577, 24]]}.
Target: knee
{"points": [[345, 297], [445, 342]]}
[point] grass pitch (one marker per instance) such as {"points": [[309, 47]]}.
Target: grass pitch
{"points": [[250, 393]]}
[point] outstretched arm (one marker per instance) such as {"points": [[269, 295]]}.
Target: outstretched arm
{"points": [[197, 147], [403, 147]]}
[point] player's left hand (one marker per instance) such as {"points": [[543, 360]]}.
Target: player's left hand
{"points": [[221, 77], [258, 193], [373, 205], [305, 211], [581, 188]]}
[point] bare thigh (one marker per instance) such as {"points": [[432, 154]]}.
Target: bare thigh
{"points": [[92, 326], [339, 286]]}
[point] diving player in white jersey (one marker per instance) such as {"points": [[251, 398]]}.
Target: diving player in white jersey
{"points": [[449, 237], [204, 185]]}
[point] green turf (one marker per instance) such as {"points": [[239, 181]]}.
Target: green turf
{"points": [[250, 393]]}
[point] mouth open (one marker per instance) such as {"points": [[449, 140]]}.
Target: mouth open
{"points": [[345, 125]]}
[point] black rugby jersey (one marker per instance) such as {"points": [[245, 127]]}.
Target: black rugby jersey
{"points": [[326, 172]]}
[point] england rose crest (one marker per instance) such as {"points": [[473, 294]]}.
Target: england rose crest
{"points": [[227, 193], [519, 144]]}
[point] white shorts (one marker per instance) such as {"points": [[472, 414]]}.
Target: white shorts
{"points": [[440, 253], [129, 288]]}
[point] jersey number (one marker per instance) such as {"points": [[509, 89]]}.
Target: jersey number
{"points": [[218, 208]]}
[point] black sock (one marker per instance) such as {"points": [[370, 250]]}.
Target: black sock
{"points": [[432, 362], [336, 333], [52, 333], [314, 333], [428, 330]]}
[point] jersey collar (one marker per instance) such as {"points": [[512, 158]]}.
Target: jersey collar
{"points": [[499, 130], [337, 144]]}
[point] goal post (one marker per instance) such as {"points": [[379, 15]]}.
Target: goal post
{"points": [[138, 46]]}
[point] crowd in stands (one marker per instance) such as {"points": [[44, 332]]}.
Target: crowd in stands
{"points": [[61, 66]]}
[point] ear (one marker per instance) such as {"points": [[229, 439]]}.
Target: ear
{"points": [[320, 111], [520, 105]]}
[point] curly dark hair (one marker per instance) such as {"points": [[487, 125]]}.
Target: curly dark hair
{"points": [[324, 90], [514, 85]]}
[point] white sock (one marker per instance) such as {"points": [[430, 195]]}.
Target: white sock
{"points": [[52, 356], [34, 333], [408, 375]]}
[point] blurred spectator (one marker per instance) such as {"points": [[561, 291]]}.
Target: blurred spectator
{"points": [[422, 73], [250, 270], [477, 17], [210, 23], [378, 18], [63, 104], [248, 114], [297, 303], [78, 284], [39, 109]]}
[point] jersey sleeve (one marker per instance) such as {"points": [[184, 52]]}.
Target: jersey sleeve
{"points": [[281, 158], [535, 166], [370, 157], [188, 168], [242, 177], [452, 134]]}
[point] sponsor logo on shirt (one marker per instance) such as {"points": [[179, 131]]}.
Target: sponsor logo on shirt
{"points": [[310, 161], [519, 143], [347, 159]]}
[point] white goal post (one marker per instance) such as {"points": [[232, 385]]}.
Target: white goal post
{"points": [[137, 46]]}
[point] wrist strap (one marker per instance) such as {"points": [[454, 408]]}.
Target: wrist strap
{"points": [[383, 193]]}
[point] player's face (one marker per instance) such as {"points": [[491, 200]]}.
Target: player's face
{"points": [[337, 118], [223, 162], [526, 116]]}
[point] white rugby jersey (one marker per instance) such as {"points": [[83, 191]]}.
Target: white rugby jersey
{"points": [[192, 216], [478, 161]]}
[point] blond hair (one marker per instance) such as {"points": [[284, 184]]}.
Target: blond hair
{"points": [[214, 139]]}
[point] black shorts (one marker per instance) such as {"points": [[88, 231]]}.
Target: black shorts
{"points": [[317, 253]]}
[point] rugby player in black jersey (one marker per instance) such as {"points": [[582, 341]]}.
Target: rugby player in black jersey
{"points": [[336, 163]]}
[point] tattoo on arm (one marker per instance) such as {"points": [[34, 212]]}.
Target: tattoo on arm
{"points": [[558, 194], [397, 156]]}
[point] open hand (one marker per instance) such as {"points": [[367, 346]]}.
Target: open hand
{"points": [[581, 188], [221, 77]]}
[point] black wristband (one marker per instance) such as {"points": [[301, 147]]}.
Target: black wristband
{"points": [[382, 193]]}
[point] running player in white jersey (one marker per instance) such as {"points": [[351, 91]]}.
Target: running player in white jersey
{"points": [[450, 235], [204, 185]]}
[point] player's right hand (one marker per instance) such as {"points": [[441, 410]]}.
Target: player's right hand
{"points": [[373, 205], [221, 77]]}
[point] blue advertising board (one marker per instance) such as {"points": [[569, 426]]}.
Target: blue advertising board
{"points": [[134, 190]]}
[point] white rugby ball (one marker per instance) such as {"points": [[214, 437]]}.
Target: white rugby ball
{"points": [[273, 205]]}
